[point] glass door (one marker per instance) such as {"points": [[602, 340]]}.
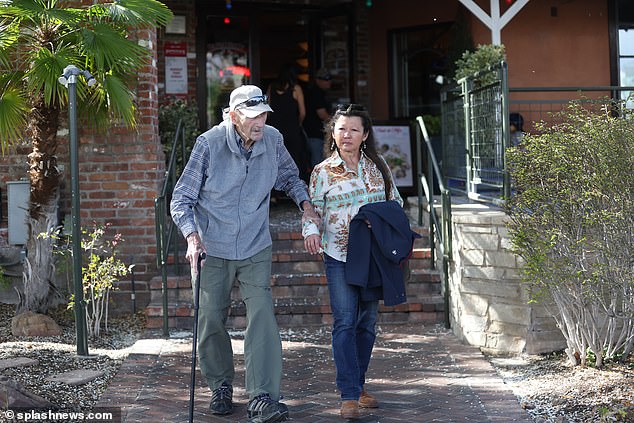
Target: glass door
{"points": [[419, 68], [335, 52], [226, 62]]}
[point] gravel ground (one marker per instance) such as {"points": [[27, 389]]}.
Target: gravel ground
{"points": [[549, 388], [59, 354], [552, 390]]}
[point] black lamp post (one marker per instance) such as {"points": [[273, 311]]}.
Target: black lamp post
{"points": [[69, 80]]}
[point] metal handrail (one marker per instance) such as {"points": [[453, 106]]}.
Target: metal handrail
{"points": [[165, 228], [438, 227]]}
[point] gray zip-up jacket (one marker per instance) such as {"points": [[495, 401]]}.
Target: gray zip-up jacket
{"points": [[225, 197]]}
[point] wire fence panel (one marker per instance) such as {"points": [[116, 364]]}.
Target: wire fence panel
{"points": [[454, 142], [473, 153], [486, 140], [476, 118]]}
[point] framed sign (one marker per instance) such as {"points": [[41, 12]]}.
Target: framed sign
{"points": [[394, 143], [175, 68], [176, 25]]}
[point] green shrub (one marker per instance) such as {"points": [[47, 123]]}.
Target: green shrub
{"points": [[169, 115], [484, 57], [572, 220], [101, 270]]}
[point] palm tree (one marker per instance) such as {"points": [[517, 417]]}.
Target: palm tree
{"points": [[38, 39]]}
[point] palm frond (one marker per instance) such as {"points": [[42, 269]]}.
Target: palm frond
{"points": [[8, 34], [113, 100], [13, 117], [36, 14], [109, 49], [137, 12], [43, 76]]}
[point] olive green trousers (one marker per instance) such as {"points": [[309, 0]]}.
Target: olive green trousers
{"points": [[262, 344]]}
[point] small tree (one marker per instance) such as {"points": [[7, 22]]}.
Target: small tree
{"points": [[100, 275], [572, 221]]}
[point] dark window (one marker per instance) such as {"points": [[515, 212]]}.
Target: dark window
{"points": [[420, 65]]}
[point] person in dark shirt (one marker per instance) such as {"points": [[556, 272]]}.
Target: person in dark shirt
{"points": [[286, 98], [317, 113]]}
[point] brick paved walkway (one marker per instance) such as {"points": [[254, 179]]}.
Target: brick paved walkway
{"points": [[419, 374]]}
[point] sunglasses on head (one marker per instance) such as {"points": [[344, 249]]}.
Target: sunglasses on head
{"points": [[253, 101], [350, 108]]}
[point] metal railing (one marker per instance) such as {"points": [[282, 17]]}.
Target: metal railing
{"points": [[439, 227], [165, 227], [476, 126]]}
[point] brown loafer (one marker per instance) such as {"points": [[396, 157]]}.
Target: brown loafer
{"points": [[367, 401], [350, 409]]}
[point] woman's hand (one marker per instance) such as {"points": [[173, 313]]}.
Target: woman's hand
{"points": [[312, 243]]}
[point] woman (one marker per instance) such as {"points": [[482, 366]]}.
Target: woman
{"points": [[286, 98], [353, 176]]}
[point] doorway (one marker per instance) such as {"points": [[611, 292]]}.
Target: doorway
{"points": [[250, 44]]}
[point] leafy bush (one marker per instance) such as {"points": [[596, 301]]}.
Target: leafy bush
{"points": [[101, 270], [433, 124], [169, 115], [485, 56], [572, 221]]}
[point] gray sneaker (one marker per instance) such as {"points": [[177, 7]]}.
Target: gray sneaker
{"points": [[263, 409], [221, 400]]}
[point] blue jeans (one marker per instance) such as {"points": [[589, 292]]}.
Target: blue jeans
{"points": [[353, 332]]}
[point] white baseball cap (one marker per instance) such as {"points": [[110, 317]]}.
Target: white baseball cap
{"points": [[249, 100]]}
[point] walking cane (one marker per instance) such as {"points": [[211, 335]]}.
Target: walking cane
{"points": [[192, 385]]}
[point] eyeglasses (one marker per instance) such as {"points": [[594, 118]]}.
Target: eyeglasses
{"points": [[253, 101], [350, 108]]}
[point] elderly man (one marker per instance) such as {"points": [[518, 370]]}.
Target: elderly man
{"points": [[221, 205]]}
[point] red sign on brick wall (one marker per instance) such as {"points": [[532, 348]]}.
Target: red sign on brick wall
{"points": [[175, 68]]}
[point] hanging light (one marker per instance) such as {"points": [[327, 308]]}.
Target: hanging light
{"points": [[226, 20], [228, 4], [368, 3]]}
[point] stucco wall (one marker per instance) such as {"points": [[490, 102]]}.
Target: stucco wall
{"points": [[571, 48], [488, 302]]}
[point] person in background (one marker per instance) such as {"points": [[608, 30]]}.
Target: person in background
{"points": [[286, 98], [516, 126], [221, 206], [317, 114], [353, 176]]}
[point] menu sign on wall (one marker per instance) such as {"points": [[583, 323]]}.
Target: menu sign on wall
{"points": [[176, 68]]}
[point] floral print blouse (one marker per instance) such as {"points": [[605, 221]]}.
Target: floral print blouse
{"points": [[337, 193]]}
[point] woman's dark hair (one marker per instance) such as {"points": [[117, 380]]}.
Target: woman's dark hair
{"points": [[368, 146], [286, 78]]}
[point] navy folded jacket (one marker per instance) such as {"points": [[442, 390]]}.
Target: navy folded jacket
{"points": [[376, 254]]}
